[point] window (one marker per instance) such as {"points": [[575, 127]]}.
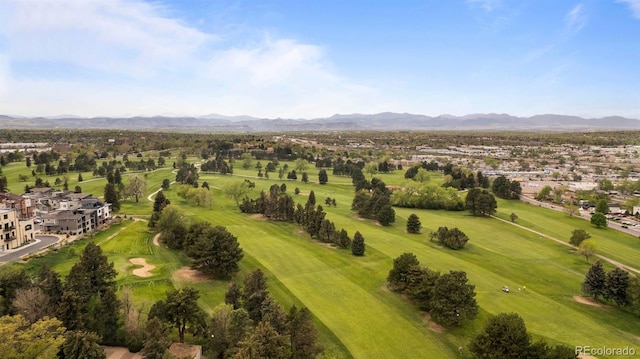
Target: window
{"points": [[27, 227], [6, 216]]}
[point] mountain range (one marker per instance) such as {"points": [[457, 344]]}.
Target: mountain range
{"points": [[387, 121]]}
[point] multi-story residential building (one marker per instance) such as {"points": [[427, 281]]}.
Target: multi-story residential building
{"points": [[15, 231], [21, 204]]}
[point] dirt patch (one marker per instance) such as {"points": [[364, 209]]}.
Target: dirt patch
{"points": [[146, 267], [187, 274], [328, 245], [588, 301], [258, 216], [156, 240], [433, 326]]}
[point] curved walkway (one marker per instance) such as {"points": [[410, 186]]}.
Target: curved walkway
{"points": [[614, 262]]}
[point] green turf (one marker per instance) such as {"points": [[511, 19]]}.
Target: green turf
{"points": [[355, 312]]}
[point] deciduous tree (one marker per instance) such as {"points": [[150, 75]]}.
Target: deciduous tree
{"points": [[588, 248], [577, 236], [453, 299], [599, 220]]}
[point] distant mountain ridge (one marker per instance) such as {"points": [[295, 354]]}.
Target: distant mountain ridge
{"points": [[386, 121]]}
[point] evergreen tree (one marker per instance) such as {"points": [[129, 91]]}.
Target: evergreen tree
{"points": [[80, 177], [216, 252], [304, 342], [386, 215], [615, 286], [81, 345], [413, 224], [503, 336], [594, 280], [453, 299], [397, 277], [254, 293], [358, 246], [111, 196], [312, 199], [181, 310], [156, 340], [233, 295], [305, 177], [323, 178]]}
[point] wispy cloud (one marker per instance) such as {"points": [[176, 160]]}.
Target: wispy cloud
{"points": [[486, 5], [576, 19], [138, 56], [634, 6]]}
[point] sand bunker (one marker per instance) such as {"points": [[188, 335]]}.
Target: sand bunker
{"points": [[187, 274], [588, 301], [146, 267], [156, 239], [433, 326]]}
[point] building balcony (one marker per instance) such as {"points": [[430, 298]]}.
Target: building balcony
{"points": [[11, 238], [9, 229]]}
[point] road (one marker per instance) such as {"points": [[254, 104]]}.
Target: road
{"points": [[631, 230], [44, 241]]}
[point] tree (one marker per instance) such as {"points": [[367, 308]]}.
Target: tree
{"points": [[544, 193], [305, 177], [357, 245], [136, 187], [594, 281], [166, 183], [263, 342], [216, 252], [80, 177], [453, 299], [602, 206], [156, 340], [398, 275], [386, 215], [570, 209], [247, 160], [19, 339], [254, 293], [413, 224], [159, 203], [323, 178], [4, 184], [92, 280], [371, 168], [233, 295], [172, 226], [304, 342], [422, 176], [181, 310], [503, 336], [111, 196], [480, 202], [301, 165], [236, 190], [615, 286], [587, 248], [599, 220], [577, 236], [81, 344], [33, 304], [11, 279], [513, 217]]}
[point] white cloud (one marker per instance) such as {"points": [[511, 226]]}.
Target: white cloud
{"points": [[121, 37], [486, 5], [132, 58], [576, 19], [634, 6]]}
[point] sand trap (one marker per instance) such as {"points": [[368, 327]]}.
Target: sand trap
{"points": [[187, 274], [156, 240], [144, 271], [588, 301], [433, 326]]}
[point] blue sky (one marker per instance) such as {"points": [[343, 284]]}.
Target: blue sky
{"points": [[308, 59]]}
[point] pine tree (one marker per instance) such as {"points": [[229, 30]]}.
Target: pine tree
{"points": [[303, 334], [594, 280], [357, 246], [323, 178], [413, 224], [616, 283], [233, 295], [111, 196]]}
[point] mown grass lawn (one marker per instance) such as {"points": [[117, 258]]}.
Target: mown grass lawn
{"points": [[356, 314]]}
